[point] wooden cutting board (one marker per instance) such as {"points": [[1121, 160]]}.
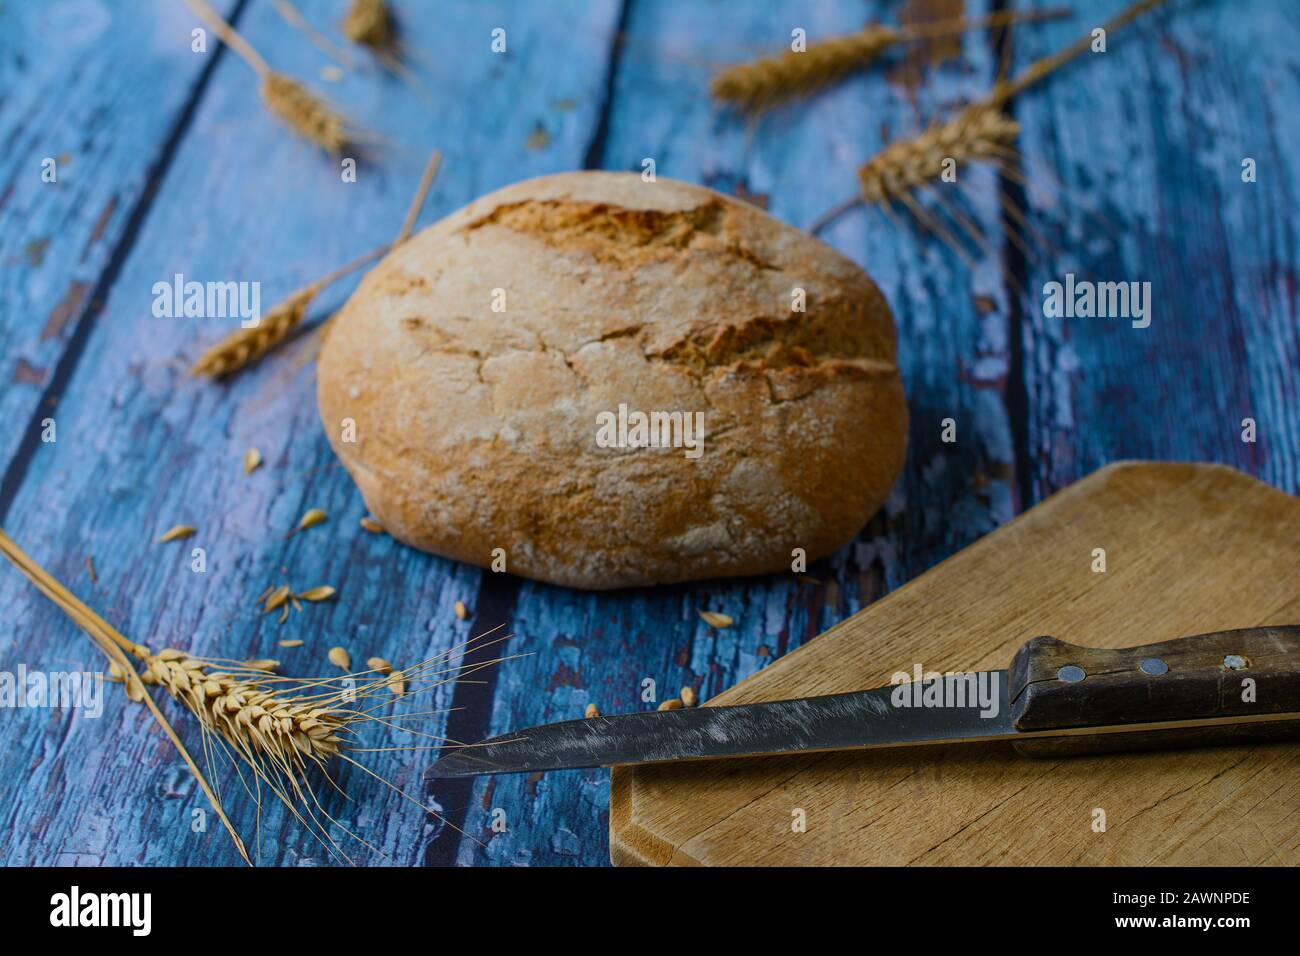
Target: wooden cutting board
{"points": [[1189, 548]]}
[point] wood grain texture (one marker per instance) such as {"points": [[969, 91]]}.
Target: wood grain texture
{"points": [[798, 160], [1134, 157], [142, 447], [64, 95], [1195, 682], [208, 184], [1188, 547]]}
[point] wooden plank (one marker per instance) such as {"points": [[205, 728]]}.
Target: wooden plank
{"points": [[141, 447], [801, 159], [102, 89], [1135, 156], [1190, 548]]}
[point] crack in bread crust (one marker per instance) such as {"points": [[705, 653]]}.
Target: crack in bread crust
{"points": [[616, 234]]}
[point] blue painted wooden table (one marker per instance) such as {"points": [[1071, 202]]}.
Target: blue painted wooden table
{"points": [[1131, 170]]}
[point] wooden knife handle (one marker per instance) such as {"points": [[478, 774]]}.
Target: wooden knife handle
{"points": [[1249, 672]]}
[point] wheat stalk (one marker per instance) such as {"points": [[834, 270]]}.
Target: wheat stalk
{"points": [[762, 83], [980, 131], [304, 111], [280, 729], [277, 728], [115, 648], [246, 346], [296, 20]]}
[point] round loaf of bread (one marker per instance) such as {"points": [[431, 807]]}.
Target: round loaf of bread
{"points": [[599, 381]]}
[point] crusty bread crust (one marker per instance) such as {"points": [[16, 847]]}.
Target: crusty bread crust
{"points": [[476, 429]]}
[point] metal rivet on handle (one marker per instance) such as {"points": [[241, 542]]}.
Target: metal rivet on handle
{"points": [[1153, 666], [1235, 662], [1071, 673]]}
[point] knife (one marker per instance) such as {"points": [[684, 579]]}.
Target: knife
{"points": [[1055, 699]]}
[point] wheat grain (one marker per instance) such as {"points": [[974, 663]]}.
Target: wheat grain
{"points": [[671, 704], [115, 647], [371, 525], [252, 460], [276, 598], [322, 593], [277, 728], [176, 533], [340, 658], [716, 618], [980, 131], [591, 711], [311, 519], [688, 696]]}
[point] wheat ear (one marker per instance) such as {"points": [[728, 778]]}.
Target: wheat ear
{"points": [[246, 346], [763, 83], [981, 131], [306, 112], [116, 647], [978, 132], [369, 23], [276, 728], [281, 728]]}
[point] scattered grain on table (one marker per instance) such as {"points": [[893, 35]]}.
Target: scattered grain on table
{"points": [[672, 704], [379, 664], [340, 658], [252, 460], [591, 711], [276, 598], [176, 532], [371, 525], [312, 518], [716, 619], [461, 610], [688, 696]]}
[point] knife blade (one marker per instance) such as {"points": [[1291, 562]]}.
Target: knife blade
{"points": [[1069, 699]]}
